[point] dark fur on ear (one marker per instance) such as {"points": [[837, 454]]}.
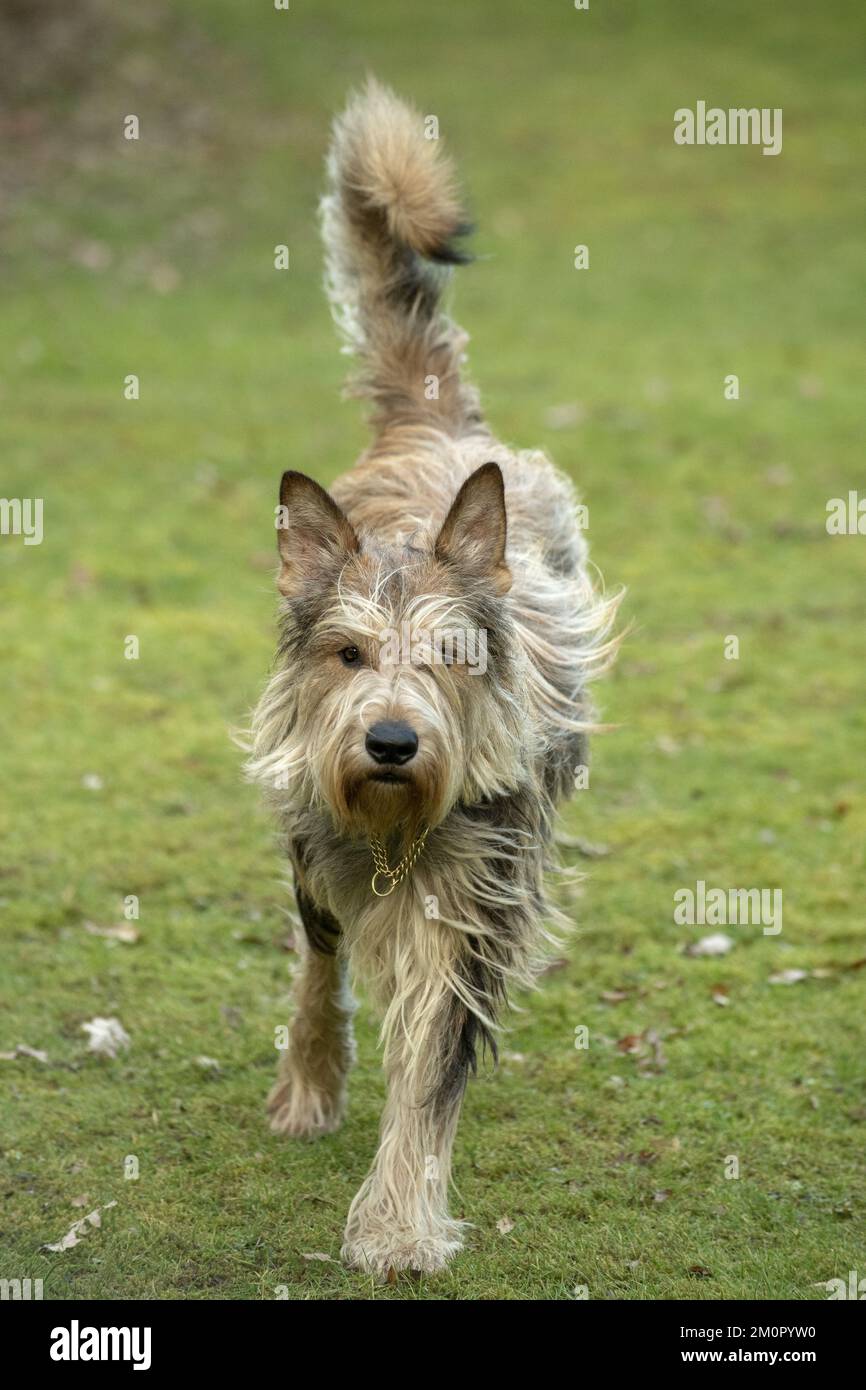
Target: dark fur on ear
{"points": [[312, 531], [474, 532]]}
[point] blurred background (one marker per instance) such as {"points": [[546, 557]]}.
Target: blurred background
{"points": [[155, 257]]}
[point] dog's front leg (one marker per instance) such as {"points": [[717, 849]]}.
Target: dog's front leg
{"points": [[399, 1218], [310, 1093]]}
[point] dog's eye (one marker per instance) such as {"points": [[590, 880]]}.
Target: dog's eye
{"points": [[350, 656]]}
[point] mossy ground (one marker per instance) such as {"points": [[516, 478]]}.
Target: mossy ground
{"points": [[156, 258]]}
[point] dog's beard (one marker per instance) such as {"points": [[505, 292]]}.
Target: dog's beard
{"points": [[381, 807], [370, 800]]}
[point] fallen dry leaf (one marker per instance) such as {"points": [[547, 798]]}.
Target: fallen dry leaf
{"points": [[632, 1042], [614, 996], [79, 1228], [106, 1036], [787, 977], [717, 944], [22, 1050], [504, 1225], [316, 1255], [826, 972], [121, 931], [654, 1040]]}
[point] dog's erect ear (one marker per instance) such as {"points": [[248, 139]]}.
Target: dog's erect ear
{"points": [[311, 531], [474, 531]]}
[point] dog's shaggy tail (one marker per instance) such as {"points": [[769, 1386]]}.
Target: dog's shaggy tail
{"points": [[391, 221]]}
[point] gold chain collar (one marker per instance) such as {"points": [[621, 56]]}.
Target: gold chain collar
{"points": [[399, 872]]}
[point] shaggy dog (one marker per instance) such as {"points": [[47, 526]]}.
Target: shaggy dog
{"points": [[429, 704]]}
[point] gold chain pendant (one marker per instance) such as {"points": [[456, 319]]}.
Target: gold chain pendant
{"points": [[399, 872]]}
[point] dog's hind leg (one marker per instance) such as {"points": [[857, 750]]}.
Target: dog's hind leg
{"points": [[310, 1093]]}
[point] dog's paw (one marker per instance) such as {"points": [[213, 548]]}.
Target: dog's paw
{"points": [[423, 1253], [301, 1112]]}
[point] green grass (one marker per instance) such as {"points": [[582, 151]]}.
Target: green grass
{"points": [[158, 522]]}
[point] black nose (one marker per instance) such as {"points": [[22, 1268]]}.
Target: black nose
{"points": [[391, 741]]}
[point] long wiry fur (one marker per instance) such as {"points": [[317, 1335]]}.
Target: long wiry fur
{"points": [[497, 752]]}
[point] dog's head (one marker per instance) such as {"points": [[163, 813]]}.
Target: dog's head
{"points": [[399, 690]]}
